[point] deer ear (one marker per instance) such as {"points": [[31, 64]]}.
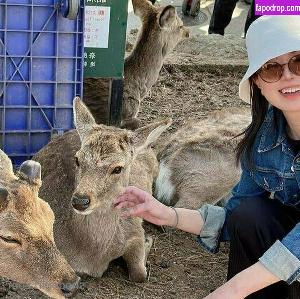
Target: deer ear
{"points": [[31, 172], [146, 136], [3, 194], [6, 167], [83, 118], [141, 8], [3, 198], [167, 16]]}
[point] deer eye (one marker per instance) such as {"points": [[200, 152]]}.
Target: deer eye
{"points": [[76, 161], [117, 170], [10, 240]]}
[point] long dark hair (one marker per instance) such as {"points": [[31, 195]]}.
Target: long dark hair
{"points": [[259, 108]]}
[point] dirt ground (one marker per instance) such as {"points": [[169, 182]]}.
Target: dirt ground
{"points": [[191, 84]]}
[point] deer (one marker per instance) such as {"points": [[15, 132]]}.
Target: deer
{"points": [[84, 170], [161, 31], [197, 162], [28, 253]]}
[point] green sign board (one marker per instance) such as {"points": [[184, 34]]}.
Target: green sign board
{"points": [[104, 38]]}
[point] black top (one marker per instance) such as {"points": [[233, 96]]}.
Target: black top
{"points": [[295, 144]]}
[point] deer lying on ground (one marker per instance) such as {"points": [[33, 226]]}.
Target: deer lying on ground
{"points": [[197, 164], [83, 171], [161, 30], [27, 250]]}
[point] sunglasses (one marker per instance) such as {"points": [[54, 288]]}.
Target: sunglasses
{"points": [[271, 72]]}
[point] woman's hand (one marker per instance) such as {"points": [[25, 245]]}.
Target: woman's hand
{"points": [[136, 202]]}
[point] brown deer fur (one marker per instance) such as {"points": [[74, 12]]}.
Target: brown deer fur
{"points": [[197, 164], [28, 253], [161, 30], [108, 159]]}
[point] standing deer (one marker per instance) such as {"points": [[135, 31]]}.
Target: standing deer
{"points": [[161, 30], [28, 253], [83, 171], [197, 164]]}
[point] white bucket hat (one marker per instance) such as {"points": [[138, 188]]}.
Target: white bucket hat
{"points": [[267, 38]]}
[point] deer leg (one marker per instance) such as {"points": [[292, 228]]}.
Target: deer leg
{"points": [[148, 245], [130, 111], [100, 270], [135, 257], [95, 270]]}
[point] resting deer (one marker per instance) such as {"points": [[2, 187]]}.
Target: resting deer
{"points": [[83, 171], [28, 253], [161, 30], [197, 164]]}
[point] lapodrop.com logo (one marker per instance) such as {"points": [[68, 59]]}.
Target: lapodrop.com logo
{"points": [[277, 7]]}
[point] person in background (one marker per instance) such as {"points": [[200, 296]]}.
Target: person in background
{"points": [[222, 14], [262, 218]]}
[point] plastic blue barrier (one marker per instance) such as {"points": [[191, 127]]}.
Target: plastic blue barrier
{"points": [[41, 70]]}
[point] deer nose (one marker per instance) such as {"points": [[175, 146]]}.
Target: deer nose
{"points": [[69, 288], [80, 203]]}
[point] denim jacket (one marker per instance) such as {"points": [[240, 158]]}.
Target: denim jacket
{"points": [[276, 173]]}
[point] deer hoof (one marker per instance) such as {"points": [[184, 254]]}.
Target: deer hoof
{"points": [[139, 275]]}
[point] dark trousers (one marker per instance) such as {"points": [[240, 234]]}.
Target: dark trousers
{"points": [[222, 14], [253, 228]]}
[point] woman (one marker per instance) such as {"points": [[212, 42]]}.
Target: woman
{"points": [[262, 218]]}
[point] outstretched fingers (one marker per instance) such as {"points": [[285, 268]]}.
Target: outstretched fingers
{"points": [[131, 194], [126, 200], [134, 191], [136, 210], [124, 204]]}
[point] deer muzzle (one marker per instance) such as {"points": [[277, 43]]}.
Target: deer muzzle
{"points": [[80, 203], [69, 288]]}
